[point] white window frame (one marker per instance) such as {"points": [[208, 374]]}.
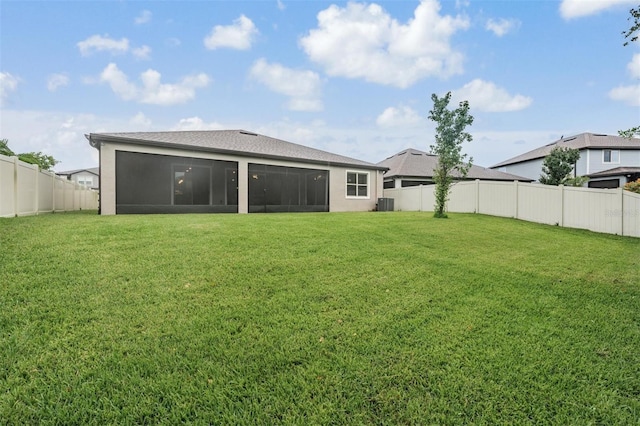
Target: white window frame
{"points": [[346, 185], [614, 156], [85, 180]]}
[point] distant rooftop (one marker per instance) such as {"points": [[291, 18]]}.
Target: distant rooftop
{"points": [[235, 142], [581, 141], [94, 170], [418, 164]]}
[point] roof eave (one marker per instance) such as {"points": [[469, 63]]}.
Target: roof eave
{"points": [[95, 139]]}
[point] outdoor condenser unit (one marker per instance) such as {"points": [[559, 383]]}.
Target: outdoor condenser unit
{"points": [[385, 204]]}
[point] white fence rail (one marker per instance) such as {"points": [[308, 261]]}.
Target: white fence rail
{"points": [[27, 190], [612, 211]]}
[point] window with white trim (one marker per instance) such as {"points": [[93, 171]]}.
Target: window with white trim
{"points": [[357, 184], [611, 156]]}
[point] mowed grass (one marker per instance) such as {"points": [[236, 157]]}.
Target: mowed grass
{"points": [[359, 318]]}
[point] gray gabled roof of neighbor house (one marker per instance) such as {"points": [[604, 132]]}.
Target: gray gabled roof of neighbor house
{"points": [[93, 170], [418, 164], [234, 142], [617, 171], [581, 141]]}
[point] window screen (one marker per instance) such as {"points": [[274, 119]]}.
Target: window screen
{"points": [[150, 183], [287, 189]]}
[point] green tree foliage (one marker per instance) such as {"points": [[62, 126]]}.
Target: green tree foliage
{"points": [[450, 135], [576, 181], [633, 186], [630, 133], [631, 34], [557, 166], [4, 148], [45, 162]]}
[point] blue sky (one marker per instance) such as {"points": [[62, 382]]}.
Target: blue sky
{"points": [[352, 78]]}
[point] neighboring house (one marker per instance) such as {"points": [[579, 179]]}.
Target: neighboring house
{"points": [[608, 161], [411, 167], [87, 177], [227, 171]]}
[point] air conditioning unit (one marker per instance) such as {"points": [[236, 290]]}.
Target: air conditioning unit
{"points": [[385, 204]]}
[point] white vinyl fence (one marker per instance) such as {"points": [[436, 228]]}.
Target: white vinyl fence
{"points": [[612, 211], [26, 190]]}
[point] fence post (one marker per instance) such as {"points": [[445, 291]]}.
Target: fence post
{"points": [[36, 204], [561, 189], [15, 186], [621, 191], [478, 196], [53, 193], [515, 182]]}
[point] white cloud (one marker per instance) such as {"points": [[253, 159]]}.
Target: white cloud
{"points": [[486, 96], [398, 117], [501, 27], [98, 43], [8, 83], [634, 66], [197, 123], [239, 35], [364, 41], [152, 90], [59, 134], [142, 52], [54, 81], [627, 94], [302, 86], [143, 18], [140, 121], [570, 9], [119, 82], [281, 5], [173, 42]]}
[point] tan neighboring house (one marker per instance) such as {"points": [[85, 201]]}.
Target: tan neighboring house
{"points": [[87, 177], [232, 171], [608, 161], [412, 167]]}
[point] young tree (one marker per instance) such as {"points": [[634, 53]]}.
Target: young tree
{"points": [[631, 35], [450, 134], [557, 166]]}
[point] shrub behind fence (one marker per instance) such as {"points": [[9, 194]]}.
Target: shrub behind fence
{"points": [[612, 211], [27, 190]]}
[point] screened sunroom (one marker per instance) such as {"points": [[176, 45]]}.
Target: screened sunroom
{"points": [[227, 171]]}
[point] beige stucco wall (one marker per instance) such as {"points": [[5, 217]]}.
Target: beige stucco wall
{"points": [[338, 200]]}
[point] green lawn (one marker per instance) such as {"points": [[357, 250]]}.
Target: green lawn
{"points": [[359, 318]]}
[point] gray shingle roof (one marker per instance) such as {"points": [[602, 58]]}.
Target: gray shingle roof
{"points": [[581, 141], [616, 171], [418, 164], [236, 142], [94, 170]]}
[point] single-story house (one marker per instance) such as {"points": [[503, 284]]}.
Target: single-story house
{"points": [[412, 167], [88, 177], [233, 171], [608, 161]]}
